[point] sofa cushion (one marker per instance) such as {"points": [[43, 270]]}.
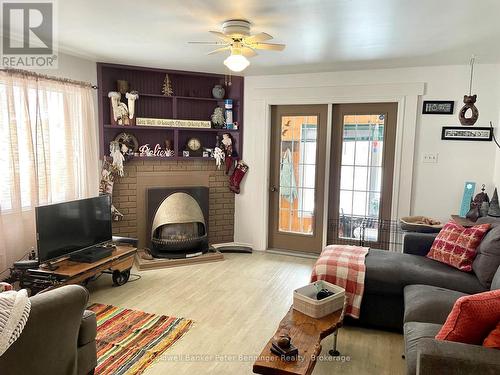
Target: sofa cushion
{"points": [[428, 304], [495, 283], [88, 328], [388, 272], [488, 253], [413, 333], [456, 245], [472, 318]]}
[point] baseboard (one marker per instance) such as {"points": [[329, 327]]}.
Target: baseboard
{"points": [[216, 245], [292, 253]]}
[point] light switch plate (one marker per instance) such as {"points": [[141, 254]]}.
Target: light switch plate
{"points": [[430, 157]]}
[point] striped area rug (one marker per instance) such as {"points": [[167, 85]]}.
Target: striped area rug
{"points": [[128, 341]]}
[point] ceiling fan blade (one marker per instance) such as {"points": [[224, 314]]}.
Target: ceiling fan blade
{"points": [[210, 43], [261, 37], [222, 49], [222, 36], [269, 46], [248, 52]]}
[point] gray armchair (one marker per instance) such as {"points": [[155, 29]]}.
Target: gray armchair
{"points": [[58, 339]]}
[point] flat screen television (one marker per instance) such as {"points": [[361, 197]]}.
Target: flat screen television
{"points": [[68, 227]]}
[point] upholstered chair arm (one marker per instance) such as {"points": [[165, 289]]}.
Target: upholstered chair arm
{"points": [[453, 358]]}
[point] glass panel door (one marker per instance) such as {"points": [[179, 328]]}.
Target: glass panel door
{"points": [[297, 178], [297, 174], [361, 174]]}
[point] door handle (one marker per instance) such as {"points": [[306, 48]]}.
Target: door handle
{"points": [[274, 189]]}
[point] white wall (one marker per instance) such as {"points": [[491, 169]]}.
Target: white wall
{"points": [[436, 188], [496, 177], [74, 68]]}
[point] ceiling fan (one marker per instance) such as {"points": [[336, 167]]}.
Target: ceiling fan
{"points": [[236, 38]]}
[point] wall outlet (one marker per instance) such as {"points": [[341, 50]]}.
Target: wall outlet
{"points": [[430, 157]]}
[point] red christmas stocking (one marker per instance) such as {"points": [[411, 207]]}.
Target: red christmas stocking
{"points": [[239, 172]]}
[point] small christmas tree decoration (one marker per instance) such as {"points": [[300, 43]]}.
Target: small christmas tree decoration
{"points": [[494, 209], [167, 89], [218, 118]]}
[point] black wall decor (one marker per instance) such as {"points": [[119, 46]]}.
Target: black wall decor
{"points": [[438, 107], [459, 133]]}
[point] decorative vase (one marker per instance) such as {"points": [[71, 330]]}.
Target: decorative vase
{"points": [[122, 86], [218, 92]]}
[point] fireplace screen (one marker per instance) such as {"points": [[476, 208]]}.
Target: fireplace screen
{"points": [[178, 227]]}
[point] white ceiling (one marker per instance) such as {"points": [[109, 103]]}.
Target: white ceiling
{"points": [[321, 35]]}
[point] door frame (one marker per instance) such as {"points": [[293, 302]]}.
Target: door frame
{"points": [[258, 118], [302, 240], [389, 150]]}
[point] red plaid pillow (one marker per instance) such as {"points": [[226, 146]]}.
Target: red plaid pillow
{"points": [[456, 245]]}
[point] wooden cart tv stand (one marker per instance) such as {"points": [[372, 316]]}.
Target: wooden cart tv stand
{"points": [[67, 272]]}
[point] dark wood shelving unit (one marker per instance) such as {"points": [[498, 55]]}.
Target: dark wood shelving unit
{"points": [[192, 100]]}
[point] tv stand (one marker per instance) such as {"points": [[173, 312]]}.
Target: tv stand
{"points": [[67, 271]]}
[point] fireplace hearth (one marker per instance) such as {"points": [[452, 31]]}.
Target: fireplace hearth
{"points": [[178, 226]]}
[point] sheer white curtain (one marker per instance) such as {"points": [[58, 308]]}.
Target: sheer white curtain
{"points": [[48, 153]]}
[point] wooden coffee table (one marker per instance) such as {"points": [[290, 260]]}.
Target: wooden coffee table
{"points": [[306, 334]]}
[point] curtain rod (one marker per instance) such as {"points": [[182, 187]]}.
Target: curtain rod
{"points": [[28, 73]]}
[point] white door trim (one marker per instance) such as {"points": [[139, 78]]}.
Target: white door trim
{"points": [[257, 131]]}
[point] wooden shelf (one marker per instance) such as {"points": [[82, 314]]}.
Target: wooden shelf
{"points": [[235, 102], [193, 101], [135, 127], [171, 158]]}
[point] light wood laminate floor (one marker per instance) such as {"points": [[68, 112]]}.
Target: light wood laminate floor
{"points": [[236, 305]]}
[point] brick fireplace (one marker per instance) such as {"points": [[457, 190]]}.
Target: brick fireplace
{"points": [[129, 194]]}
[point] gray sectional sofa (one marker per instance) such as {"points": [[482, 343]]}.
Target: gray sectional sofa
{"points": [[414, 294]]}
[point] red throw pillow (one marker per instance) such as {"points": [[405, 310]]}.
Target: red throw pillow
{"points": [[493, 339], [456, 245], [472, 318]]}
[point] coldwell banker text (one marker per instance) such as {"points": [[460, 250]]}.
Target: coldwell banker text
{"points": [[28, 35]]}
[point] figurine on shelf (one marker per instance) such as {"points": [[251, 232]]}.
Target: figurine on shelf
{"points": [[131, 96], [123, 114], [479, 206], [116, 152], [169, 147], [229, 151], [218, 153]]}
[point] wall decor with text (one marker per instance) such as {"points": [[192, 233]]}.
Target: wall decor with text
{"points": [[438, 107], [459, 133]]}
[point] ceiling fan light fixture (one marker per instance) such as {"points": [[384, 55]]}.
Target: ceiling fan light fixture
{"points": [[236, 61]]}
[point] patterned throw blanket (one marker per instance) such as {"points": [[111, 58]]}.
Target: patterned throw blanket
{"points": [[344, 265], [14, 312]]}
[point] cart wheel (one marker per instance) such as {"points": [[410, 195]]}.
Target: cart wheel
{"points": [[120, 278]]}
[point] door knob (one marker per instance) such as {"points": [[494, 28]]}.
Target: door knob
{"points": [[273, 188]]}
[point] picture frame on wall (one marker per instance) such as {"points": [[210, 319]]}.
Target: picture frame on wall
{"points": [[438, 107], [460, 133]]}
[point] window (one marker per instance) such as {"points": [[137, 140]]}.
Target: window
{"points": [[45, 127]]}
